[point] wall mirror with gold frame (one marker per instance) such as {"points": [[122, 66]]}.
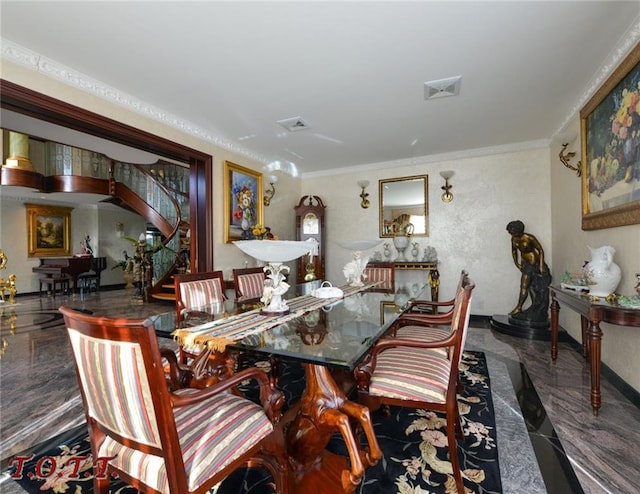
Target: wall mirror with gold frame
{"points": [[404, 200]]}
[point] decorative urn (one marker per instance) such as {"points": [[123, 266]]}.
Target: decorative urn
{"points": [[401, 241], [602, 274]]}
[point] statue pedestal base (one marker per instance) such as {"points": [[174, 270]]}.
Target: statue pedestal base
{"points": [[524, 329]]}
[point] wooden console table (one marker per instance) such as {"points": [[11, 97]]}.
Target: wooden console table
{"points": [[592, 314]]}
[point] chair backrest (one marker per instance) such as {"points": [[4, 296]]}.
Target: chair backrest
{"points": [[460, 317], [198, 290], [123, 384], [383, 272], [249, 283]]}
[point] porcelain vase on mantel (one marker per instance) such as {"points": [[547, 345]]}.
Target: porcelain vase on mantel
{"points": [[602, 273]]}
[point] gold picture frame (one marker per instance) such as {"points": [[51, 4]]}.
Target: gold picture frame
{"points": [[243, 207], [610, 134], [48, 231]]}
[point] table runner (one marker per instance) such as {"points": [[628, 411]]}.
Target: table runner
{"points": [[216, 335]]}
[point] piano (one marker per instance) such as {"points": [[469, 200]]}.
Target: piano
{"points": [[71, 266]]}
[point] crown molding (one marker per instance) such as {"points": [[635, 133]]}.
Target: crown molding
{"points": [[20, 55]]}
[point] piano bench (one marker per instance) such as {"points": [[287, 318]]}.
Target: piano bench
{"points": [[89, 282], [53, 281]]}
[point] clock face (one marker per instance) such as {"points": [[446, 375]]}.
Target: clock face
{"points": [[310, 224]]}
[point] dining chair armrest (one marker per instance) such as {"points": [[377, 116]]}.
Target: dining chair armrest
{"points": [[272, 400], [434, 303], [425, 319], [387, 343]]}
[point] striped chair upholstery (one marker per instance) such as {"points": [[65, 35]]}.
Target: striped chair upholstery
{"points": [[249, 283], [182, 441], [198, 296], [384, 274], [419, 375], [201, 293], [422, 373], [211, 434]]}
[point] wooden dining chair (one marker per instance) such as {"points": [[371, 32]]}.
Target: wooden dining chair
{"points": [[409, 373], [383, 272], [198, 296], [163, 441], [249, 283], [430, 325], [433, 307]]}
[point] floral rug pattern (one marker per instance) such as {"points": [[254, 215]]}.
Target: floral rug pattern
{"points": [[414, 444]]}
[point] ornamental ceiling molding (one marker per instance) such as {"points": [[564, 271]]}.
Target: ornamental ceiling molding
{"points": [[50, 68], [626, 44]]}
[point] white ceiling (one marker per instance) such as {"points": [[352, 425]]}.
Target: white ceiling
{"points": [[354, 71]]}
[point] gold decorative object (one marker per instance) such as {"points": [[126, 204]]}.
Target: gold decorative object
{"points": [[8, 286], [565, 157], [269, 193]]}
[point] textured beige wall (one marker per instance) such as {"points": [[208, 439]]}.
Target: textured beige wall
{"points": [[469, 232]]}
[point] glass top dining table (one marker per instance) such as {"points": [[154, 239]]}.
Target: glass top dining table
{"points": [[337, 334], [324, 335]]}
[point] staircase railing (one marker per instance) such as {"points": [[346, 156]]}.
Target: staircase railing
{"points": [[157, 191]]}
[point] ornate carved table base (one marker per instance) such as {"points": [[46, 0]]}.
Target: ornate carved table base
{"points": [[324, 410]]}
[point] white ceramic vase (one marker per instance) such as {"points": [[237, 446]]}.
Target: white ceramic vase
{"points": [[602, 273]]}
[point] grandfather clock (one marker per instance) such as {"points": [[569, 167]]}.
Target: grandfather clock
{"points": [[310, 227]]}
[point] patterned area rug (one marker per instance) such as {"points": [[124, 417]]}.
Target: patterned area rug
{"points": [[413, 443]]}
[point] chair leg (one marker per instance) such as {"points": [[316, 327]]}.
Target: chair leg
{"points": [[101, 484], [455, 464]]}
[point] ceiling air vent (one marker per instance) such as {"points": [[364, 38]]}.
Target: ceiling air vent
{"points": [[442, 88], [294, 124]]}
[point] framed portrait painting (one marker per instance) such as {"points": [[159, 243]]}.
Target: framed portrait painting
{"points": [[48, 231], [243, 206], [610, 134]]}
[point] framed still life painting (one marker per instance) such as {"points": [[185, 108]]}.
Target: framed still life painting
{"points": [[610, 134], [48, 231], [243, 206]]}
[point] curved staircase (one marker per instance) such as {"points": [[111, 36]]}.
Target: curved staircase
{"points": [[158, 192]]}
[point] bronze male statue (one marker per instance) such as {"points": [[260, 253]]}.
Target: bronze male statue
{"points": [[528, 257]]}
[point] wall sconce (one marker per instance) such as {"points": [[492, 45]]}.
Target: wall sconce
{"points": [[446, 195], [119, 229], [364, 203], [565, 157], [269, 193]]}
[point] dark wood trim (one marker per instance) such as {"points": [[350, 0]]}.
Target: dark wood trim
{"points": [[37, 105]]}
